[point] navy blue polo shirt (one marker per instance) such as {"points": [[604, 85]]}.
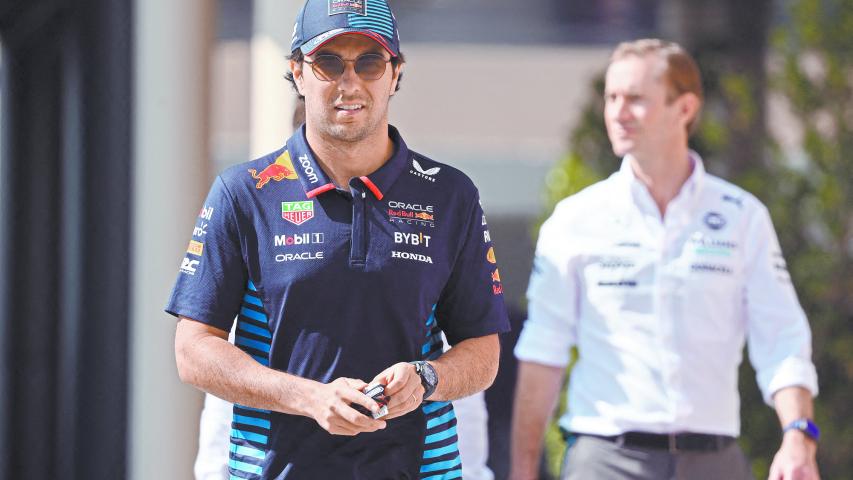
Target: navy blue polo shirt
{"points": [[327, 283]]}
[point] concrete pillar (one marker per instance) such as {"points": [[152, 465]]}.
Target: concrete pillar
{"points": [[172, 62], [273, 100]]}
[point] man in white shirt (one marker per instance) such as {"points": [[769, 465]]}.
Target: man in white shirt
{"points": [[658, 275]]}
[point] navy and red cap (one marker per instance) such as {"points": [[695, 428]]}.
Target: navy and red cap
{"points": [[322, 20]]}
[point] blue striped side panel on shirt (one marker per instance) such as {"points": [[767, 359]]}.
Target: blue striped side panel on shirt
{"points": [[250, 429], [248, 452], [246, 420], [251, 436], [455, 473], [440, 458], [253, 333], [245, 467], [256, 344], [445, 465]]}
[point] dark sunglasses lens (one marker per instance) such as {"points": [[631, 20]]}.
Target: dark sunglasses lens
{"points": [[370, 67], [328, 67]]}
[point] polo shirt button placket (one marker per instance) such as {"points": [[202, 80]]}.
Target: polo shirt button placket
{"points": [[358, 247]]}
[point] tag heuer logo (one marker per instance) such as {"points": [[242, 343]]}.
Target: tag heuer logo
{"points": [[297, 213]]}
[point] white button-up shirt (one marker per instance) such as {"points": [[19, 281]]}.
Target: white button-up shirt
{"points": [[659, 308]]}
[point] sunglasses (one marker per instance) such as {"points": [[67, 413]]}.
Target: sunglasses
{"points": [[328, 68]]}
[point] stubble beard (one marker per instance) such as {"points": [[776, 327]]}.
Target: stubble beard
{"points": [[349, 133]]}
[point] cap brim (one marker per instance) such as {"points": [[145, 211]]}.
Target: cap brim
{"points": [[311, 46]]}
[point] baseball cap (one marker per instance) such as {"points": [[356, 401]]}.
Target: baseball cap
{"points": [[322, 20]]}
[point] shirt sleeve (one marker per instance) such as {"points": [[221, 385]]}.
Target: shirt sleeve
{"points": [[552, 296], [471, 303], [779, 337], [212, 275]]}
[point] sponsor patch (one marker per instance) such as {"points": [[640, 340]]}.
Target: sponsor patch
{"points": [[415, 207], [414, 239], [358, 7], [711, 268], [714, 220], [615, 263], [487, 237], [289, 257], [411, 218], [427, 174], [490, 255], [411, 256], [206, 213], [279, 170], [195, 248], [736, 200], [308, 169], [496, 276], [298, 239], [297, 213], [618, 283], [188, 266], [200, 230], [497, 289]]}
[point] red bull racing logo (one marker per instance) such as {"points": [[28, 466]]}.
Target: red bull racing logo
{"points": [[279, 170]]}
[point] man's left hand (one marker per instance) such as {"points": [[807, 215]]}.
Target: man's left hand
{"points": [[795, 459], [403, 385]]}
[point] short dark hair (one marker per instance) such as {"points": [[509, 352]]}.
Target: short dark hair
{"points": [[298, 57]]}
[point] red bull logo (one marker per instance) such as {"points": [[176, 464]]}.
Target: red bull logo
{"points": [[279, 170], [490, 255], [424, 216], [496, 276]]}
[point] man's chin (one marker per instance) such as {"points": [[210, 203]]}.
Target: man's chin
{"points": [[622, 149]]}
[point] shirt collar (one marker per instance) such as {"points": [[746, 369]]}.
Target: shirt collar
{"points": [[638, 194], [315, 181]]}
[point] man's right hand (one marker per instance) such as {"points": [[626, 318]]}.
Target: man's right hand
{"points": [[330, 407]]}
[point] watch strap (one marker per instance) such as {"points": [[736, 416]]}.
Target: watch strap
{"points": [[804, 425]]}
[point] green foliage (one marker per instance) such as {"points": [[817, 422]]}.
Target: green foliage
{"points": [[809, 191]]}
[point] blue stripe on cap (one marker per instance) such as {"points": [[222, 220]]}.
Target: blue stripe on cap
{"points": [[377, 27]]}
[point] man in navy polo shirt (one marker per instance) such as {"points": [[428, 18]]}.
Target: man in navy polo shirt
{"points": [[343, 256]]}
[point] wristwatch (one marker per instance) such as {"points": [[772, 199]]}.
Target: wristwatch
{"points": [[429, 379], [806, 426]]}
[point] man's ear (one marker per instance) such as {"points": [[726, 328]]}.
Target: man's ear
{"points": [[298, 78], [688, 106], [396, 78]]}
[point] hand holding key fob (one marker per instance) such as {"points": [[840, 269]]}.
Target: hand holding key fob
{"points": [[377, 393]]}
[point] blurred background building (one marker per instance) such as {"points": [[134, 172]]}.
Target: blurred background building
{"points": [[117, 115]]}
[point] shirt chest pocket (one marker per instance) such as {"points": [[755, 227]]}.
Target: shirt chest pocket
{"points": [[617, 282], [713, 291]]}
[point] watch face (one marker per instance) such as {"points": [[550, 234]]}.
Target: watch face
{"points": [[428, 374]]}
